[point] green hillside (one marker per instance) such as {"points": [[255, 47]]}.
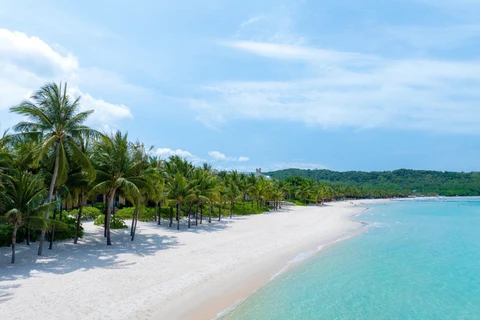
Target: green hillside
{"points": [[423, 181]]}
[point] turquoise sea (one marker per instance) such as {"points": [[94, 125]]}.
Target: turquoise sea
{"points": [[418, 260]]}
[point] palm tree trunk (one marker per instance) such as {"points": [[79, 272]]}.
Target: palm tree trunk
{"points": [[135, 227], [171, 217], [28, 235], [196, 216], [79, 216], [14, 241], [210, 213], [50, 194], [111, 196], [159, 212], [52, 233], [105, 216], [178, 215], [201, 213], [133, 221], [219, 212], [231, 209], [61, 211]]}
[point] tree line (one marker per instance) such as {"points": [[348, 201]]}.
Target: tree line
{"points": [[52, 158], [420, 182]]}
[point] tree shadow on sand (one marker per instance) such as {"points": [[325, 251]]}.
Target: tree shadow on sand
{"points": [[90, 252], [204, 227]]}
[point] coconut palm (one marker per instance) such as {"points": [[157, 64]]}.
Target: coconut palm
{"points": [[317, 192], [178, 192], [304, 191], [117, 170], [209, 189], [158, 195], [54, 119], [232, 193], [22, 201], [80, 179]]}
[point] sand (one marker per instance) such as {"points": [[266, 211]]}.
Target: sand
{"points": [[166, 274]]}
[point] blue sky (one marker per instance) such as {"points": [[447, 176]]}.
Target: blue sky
{"points": [[344, 85]]}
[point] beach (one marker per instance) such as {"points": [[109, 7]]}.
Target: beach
{"points": [[167, 274]]}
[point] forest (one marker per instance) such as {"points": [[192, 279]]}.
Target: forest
{"points": [[418, 182]]}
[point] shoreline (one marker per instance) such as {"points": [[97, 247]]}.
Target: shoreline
{"points": [[165, 274], [220, 298]]}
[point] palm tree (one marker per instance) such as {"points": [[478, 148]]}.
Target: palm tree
{"points": [[80, 180], [317, 192], [117, 170], [158, 194], [21, 200], [243, 185], [277, 196], [179, 192], [233, 193], [221, 196], [304, 190], [54, 119], [209, 190]]}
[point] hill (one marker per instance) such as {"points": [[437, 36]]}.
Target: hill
{"points": [[423, 181]]}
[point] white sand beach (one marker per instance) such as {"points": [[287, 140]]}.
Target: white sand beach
{"points": [[165, 274]]}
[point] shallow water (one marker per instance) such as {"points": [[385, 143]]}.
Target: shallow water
{"points": [[418, 260]]}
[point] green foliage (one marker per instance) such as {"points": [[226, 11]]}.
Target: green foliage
{"points": [[100, 206], [87, 213], [125, 213], [298, 202], [68, 231], [145, 214], [6, 235], [402, 181], [245, 208], [115, 222]]}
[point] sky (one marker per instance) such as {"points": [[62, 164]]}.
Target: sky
{"points": [[367, 85]]}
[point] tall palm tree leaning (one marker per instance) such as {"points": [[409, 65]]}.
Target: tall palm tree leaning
{"points": [[54, 117], [117, 170]]}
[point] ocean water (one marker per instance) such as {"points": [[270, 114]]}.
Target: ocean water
{"points": [[417, 260]]}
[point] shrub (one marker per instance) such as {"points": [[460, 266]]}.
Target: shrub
{"points": [[125, 213], [115, 222], [6, 235], [87, 213], [68, 231], [100, 206], [298, 202], [246, 209], [145, 214]]}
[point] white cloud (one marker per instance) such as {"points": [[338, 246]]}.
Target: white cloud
{"points": [[167, 152], [293, 165], [16, 48], [250, 21], [272, 167], [27, 63], [297, 52], [218, 156], [353, 90]]}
